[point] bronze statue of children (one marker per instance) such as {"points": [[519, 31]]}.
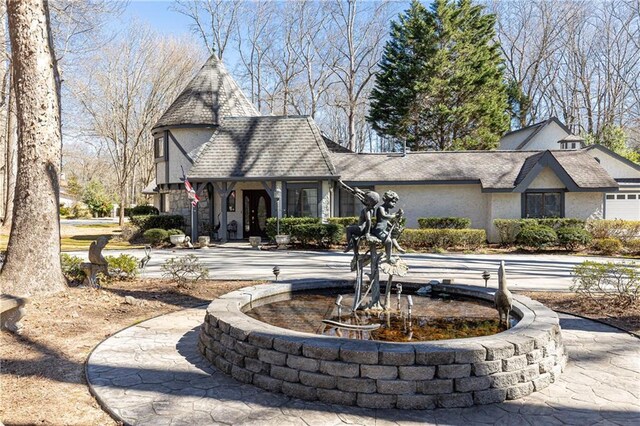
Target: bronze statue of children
{"points": [[354, 232], [385, 222]]}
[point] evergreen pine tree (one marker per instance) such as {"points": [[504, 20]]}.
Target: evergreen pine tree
{"points": [[441, 84]]}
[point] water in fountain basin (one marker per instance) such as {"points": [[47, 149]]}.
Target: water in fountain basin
{"points": [[437, 317]]}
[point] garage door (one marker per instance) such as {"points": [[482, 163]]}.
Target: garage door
{"points": [[622, 206]]}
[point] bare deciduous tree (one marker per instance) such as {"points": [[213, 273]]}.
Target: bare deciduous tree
{"points": [[32, 264], [124, 88], [355, 30], [213, 20]]}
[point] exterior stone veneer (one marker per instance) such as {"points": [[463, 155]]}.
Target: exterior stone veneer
{"points": [[420, 375]]}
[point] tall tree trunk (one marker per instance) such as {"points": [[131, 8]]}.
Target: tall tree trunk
{"points": [[11, 158], [123, 203], [33, 255]]}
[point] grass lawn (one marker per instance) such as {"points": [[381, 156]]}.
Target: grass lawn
{"points": [[79, 237]]}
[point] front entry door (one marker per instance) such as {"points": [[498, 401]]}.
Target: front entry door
{"points": [[257, 208]]}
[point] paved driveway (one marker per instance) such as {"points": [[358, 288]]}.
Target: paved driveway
{"points": [[239, 261]]}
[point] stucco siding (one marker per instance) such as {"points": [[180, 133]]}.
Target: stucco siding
{"points": [[511, 142], [440, 200], [547, 138], [189, 140], [546, 179], [581, 205]]}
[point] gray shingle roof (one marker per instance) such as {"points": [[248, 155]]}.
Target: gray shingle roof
{"points": [[210, 96], [494, 170], [264, 147]]}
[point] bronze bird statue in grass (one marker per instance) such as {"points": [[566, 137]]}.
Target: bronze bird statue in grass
{"points": [[503, 298]]}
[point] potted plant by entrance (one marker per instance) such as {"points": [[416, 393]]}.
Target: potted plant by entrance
{"points": [[283, 241]]}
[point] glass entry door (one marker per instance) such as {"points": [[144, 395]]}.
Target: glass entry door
{"points": [[256, 211]]}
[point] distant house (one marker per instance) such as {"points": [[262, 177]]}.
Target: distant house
{"points": [[239, 161], [550, 134], [553, 134]]}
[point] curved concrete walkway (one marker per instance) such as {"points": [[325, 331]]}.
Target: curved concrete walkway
{"points": [[152, 373]]}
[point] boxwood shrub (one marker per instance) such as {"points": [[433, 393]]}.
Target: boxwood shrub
{"points": [[573, 237], [158, 221], [444, 222], [536, 236], [508, 229], [344, 221], [286, 223], [155, 236], [317, 234], [443, 238]]}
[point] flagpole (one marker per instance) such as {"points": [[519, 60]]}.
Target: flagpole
{"points": [[193, 225]]}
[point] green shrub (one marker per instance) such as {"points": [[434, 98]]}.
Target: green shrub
{"points": [[124, 266], [161, 222], [444, 222], [171, 232], [607, 245], [536, 236], [633, 246], [95, 196], [155, 236], [600, 281], [573, 237], [317, 234], [623, 230], [443, 238], [508, 229], [141, 210], [71, 268], [79, 211], [344, 221], [184, 270], [65, 211], [286, 223]]}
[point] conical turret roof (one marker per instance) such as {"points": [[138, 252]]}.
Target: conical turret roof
{"points": [[211, 95]]}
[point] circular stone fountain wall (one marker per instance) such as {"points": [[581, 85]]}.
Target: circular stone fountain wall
{"points": [[420, 375]]}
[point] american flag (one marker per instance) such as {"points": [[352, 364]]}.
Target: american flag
{"points": [[191, 192]]}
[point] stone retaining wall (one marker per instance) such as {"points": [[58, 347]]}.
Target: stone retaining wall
{"points": [[420, 375]]}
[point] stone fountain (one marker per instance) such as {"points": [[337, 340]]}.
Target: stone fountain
{"points": [[369, 373]]}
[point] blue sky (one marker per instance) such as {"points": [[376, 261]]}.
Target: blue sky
{"points": [[159, 16]]}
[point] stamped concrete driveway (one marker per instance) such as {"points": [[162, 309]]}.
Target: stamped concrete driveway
{"points": [[238, 261]]}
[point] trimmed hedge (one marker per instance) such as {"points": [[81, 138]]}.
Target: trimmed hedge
{"points": [[573, 237], [344, 221], [317, 234], [536, 236], [142, 210], [443, 238], [286, 223], [155, 236], [444, 222], [508, 229], [623, 230], [161, 222]]}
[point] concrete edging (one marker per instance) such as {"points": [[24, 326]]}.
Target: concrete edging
{"points": [[421, 375]]}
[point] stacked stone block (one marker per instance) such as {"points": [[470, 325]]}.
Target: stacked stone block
{"points": [[421, 375]]}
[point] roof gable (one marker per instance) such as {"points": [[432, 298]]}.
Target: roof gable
{"points": [[264, 148], [210, 96]]}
